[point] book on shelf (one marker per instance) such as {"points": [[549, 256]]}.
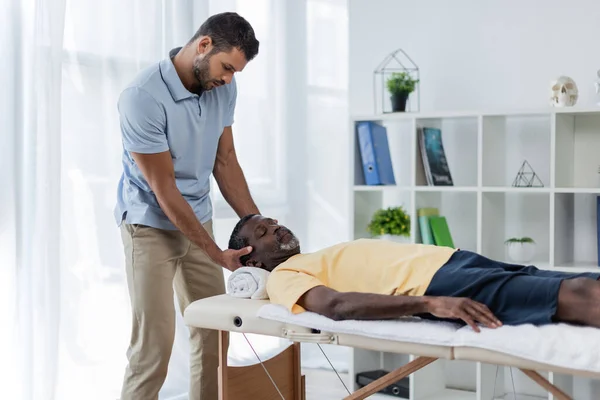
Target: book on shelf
{"points": [[434, 227], [375, 153], [440, 231], [423, 215], [435, 164]]}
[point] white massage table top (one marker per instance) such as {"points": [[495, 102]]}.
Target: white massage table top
{"points": [[233, 314], [545, 348], [227, 313]]}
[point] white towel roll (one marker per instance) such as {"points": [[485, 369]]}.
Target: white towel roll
{"points": [[248, 283]]}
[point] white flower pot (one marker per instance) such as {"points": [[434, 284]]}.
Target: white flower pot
{"points": [[521, 253], [395, 238]]}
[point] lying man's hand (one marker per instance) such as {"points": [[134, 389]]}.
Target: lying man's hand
{"points": [[463, 308]]}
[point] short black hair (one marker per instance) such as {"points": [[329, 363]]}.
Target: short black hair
{"points": [[237, 241], [228, 30]]}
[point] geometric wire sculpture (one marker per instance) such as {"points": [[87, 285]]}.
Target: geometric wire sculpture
{"points": [[526, 177], [390, 64]]}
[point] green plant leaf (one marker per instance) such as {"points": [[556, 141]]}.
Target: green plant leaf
{"points": [[525, 239], [391, 221], [401, 82]]}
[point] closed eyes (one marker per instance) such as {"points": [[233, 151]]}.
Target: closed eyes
{"points": [[260, 231]]}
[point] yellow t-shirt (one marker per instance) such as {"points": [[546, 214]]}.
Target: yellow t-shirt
{"points": [[363, 265]]}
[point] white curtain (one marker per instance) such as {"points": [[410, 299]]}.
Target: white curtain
{"points": [[106, 44], [62, 282], [32, 34]]}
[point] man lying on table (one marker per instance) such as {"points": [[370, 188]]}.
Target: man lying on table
{"points": [[379, 279]]}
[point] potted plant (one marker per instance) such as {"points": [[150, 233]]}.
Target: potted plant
{"points": [[392, 223], [400, 85], [520, 250]]}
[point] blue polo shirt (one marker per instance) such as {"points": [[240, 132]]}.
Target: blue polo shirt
{"points": [[157, 113]]}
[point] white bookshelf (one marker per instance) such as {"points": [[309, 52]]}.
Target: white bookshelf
{"points": [[484, 153]]}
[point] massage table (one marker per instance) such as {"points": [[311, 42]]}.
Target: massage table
{"points": [[526, 347]]}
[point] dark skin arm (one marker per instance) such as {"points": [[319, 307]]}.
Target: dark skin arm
{"points": [[230, 177], [368, 306], [159, 172]]}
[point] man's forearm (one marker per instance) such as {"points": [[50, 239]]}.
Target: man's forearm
{"points": [[352, 305], [233, 186], [180, 213]]}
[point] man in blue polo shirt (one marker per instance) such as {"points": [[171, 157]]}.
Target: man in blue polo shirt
{"points": [[176, 119]]}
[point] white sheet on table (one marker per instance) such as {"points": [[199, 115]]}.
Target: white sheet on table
{"points": [[405, 329], [561, 345]]}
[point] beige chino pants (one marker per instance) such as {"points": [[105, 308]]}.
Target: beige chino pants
{"points": [[156, 261]]}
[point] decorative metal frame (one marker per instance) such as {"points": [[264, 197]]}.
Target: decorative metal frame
{"points": [[526, 177], [383, 71]]}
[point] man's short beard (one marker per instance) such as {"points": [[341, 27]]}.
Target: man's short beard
{"points": [[202, 71], [291, 245]]}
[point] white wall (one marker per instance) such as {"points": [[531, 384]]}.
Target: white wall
{"points": [[477, 54]]}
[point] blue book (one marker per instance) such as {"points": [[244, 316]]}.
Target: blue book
{"points": [[375, 153]]}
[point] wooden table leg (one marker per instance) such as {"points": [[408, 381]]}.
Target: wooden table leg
{"points": [[390, 378], [253, 382], [543, 382]]}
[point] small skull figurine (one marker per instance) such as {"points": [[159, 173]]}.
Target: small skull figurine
{"points": [[564, 92]]}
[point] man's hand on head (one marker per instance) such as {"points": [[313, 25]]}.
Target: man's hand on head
{"points": [[230, 258]]}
